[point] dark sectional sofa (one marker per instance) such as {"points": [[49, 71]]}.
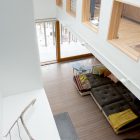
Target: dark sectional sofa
{"points": [[111, 98]]}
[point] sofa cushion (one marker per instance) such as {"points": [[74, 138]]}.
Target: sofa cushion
{"points": [[135, 107], [83, 85], [116, 107], [99, 69], [128, 96], [96, 80], [106, 94]]}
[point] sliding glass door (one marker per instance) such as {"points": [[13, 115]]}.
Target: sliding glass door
{"points": [[56, 43], [70, 46], [46, 41]]}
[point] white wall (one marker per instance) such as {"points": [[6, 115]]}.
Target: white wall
{"points": [[19, 58], [44, 9], [38, 118], [115, 60], [0, 115]]}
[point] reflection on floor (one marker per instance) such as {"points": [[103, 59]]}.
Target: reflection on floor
{"points": [[89, 122]]}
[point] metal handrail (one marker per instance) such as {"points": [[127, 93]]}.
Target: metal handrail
{"points": [[20, 117]]}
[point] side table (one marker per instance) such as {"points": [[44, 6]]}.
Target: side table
{"points": [[78, 68]]}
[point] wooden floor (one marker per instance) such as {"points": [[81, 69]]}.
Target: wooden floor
{"points": [[89, 122]]}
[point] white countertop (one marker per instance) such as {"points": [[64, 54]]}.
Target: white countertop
{"points": [[39, 118]]}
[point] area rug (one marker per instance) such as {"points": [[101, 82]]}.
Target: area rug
{"points": [[65, 127]]}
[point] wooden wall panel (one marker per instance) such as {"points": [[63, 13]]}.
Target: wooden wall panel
{"points": [[68, 6], [115, 20], [85, 10], [131, 12], [59, 2], [57, 28]]}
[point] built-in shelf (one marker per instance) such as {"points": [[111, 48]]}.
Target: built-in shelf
{"points": [[124, 32]]}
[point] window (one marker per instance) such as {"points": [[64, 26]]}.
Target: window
{"points": [[70, 46], [46, 41], [71, 7], [91, 12], [59, 2], [124, 31]]}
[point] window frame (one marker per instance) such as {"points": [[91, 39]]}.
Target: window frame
{"points": [[113, 31], [59, 2], [68, 8], [86, 15]]}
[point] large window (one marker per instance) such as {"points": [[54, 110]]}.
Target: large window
{"points": [[71, 7], [124, 31], [91, 12], [46, 41], [70, 45]]}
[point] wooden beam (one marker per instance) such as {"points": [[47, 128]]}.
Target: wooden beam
{"points": [[76, 57], [136, 4], [57, 41], [68, 6], [59, 2], [115, 20], [85, 10]]}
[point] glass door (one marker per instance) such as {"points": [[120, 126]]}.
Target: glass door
{"points": [[70, 46], [46, 41]]}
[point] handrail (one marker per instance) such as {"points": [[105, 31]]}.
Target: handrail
{"points": [[45, 20], [20, 117]]}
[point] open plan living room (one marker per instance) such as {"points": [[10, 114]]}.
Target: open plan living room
{"points": [[70, 70]]}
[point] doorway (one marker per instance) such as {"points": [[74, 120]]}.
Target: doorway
{"points": [[46, 41], [70, 45]]}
